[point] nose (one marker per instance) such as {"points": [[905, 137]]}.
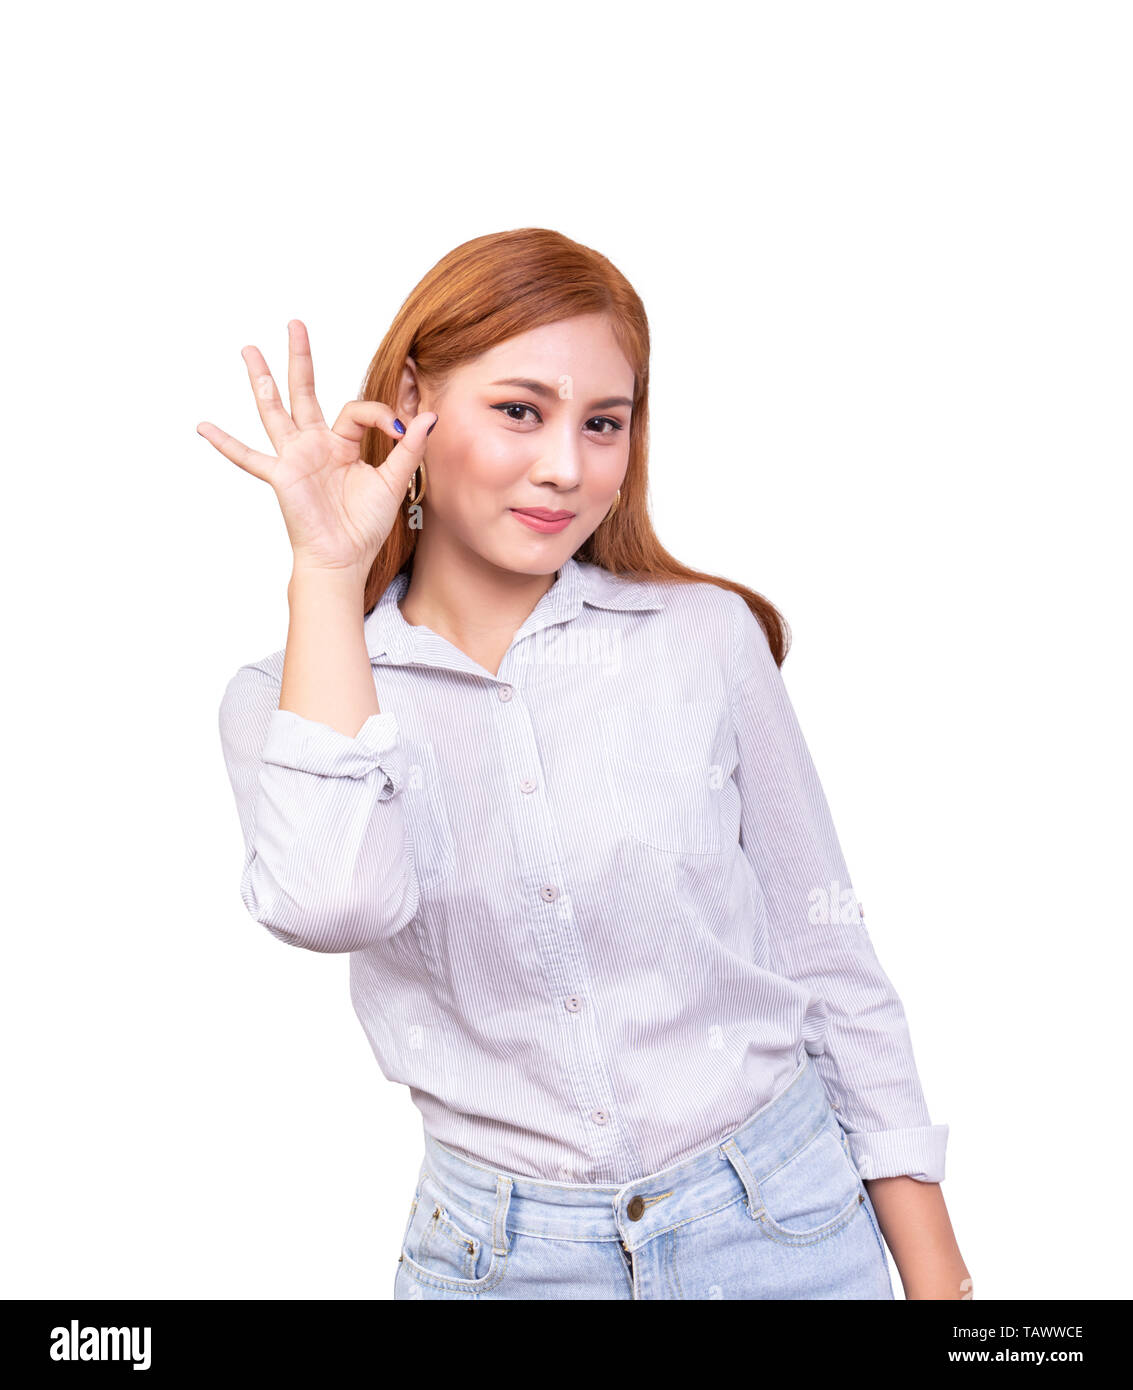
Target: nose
{"points": [[560, 459]]}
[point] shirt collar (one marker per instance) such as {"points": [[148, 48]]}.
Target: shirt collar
{"points": [[392, 640]]}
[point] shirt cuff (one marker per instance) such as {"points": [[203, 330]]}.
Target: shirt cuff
{"points": [[892, 1153], [309, 746]]}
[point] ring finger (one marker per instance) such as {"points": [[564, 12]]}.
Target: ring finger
{"points": [[278, 424]]}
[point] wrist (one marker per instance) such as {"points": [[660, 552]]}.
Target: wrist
{"points": [[942, 1278], [305, 579]]}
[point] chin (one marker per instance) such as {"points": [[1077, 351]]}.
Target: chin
{"points": [[536, 558], [528, 564]]}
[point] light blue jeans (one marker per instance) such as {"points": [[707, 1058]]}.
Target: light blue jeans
{"points": [[776, 1210]]}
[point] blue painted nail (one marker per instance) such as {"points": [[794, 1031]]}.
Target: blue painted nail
{"points": [[433, 426], [398, 426]]}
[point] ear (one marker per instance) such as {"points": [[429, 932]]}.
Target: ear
{"points": [[408, 392]]}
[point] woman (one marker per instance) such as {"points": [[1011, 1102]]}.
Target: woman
{"points": [[545, 785]]}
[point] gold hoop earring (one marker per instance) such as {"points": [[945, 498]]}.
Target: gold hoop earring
{"points": [[613, 509], [413, 483]]}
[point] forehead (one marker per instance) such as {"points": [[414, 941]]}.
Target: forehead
{"points": [[584, 347]]}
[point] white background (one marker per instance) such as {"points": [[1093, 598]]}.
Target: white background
{"points": [[884, 249]]}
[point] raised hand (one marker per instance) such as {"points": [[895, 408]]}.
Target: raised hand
{"points": [[338, 509]]}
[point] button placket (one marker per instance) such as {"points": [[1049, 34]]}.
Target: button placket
{"points": [[559, 944]]}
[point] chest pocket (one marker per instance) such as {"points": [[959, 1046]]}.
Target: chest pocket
{"points": [[426, 813], [665, 770]]}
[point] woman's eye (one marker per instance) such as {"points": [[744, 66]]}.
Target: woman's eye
{"points": [[515, 405], [614, 425]]}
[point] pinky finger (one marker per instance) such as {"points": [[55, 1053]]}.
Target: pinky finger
{"points": [[259, 465]]}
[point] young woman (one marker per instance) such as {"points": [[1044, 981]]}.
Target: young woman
{"points": [[545, 785]]}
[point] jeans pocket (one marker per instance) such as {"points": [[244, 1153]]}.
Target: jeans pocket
{"points": [[446, 1247], [813, 1194], [844, 1140]]}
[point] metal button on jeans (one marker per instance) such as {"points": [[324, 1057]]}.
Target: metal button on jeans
{"points": [[635, 1209]]}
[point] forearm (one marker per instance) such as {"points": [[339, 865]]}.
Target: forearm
{"points": [[327, 675], [316, 768], [914, 1221]]}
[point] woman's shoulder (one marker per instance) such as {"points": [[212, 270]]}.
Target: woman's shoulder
{"points": [[698, 606], [697, 616], [679, 597], [255, 682]]}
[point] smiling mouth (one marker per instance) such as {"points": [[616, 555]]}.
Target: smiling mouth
{"points": [[543, 513]]}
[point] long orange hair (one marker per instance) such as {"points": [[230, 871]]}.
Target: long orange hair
{"points": [[488, 290]]}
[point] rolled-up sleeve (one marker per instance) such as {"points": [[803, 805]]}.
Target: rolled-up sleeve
{"points": [[817, 937], [326, 864]]}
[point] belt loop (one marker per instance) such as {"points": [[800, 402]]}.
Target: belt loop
{"points": [[499, 1217], [754, 1199]]}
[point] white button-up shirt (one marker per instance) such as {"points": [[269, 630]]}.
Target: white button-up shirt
{"points": [[595, 905]]}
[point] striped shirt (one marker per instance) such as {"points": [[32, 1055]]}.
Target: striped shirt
{"points": [[595, 905]]}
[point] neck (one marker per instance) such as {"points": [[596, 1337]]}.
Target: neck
{"points": [[467, 600]]}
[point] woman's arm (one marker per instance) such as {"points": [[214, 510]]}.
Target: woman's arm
{"points": [[326, 669], [315, 764], [317, 770], [856, 1028], [914, 1221]]}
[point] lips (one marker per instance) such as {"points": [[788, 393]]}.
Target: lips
{"points": [[543, 513], [542, 519]]}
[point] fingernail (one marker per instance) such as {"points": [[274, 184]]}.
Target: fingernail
{"points": [[398, 426], [433, 426]]}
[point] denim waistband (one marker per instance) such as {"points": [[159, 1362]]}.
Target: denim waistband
{"points": [[637, 1210]]}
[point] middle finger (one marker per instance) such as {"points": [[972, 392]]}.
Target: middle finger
{"points": [[301, 377]]}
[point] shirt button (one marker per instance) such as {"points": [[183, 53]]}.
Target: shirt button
{"points": [[548, 893], [527, 785], [505, 692], [573, 1003], [599, 1117]]}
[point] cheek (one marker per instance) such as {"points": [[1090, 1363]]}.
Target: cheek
{"points": [[484, 470], [606, 477], [474, 483]]}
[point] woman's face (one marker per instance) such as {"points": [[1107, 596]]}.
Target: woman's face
{"points": [[540, 421]]}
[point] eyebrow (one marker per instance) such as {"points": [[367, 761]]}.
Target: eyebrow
{"points": [[540, 388]]}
